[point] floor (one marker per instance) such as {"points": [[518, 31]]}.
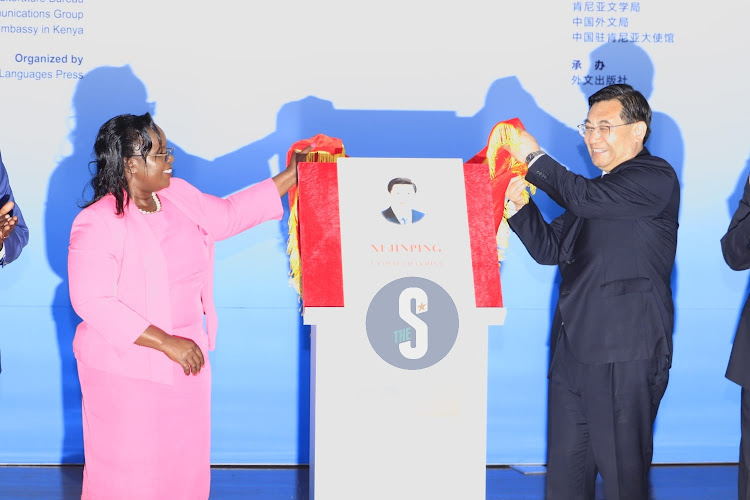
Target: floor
{"points": [[683, 482]]}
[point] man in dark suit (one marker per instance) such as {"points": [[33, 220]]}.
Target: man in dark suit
{"points": [[611, 341], [402, 191], [735, 245], [13, 231]]}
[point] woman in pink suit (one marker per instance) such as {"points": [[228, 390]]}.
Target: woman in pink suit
{"points": [[141, 277]]}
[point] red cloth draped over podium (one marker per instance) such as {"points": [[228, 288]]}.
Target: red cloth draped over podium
{"points": [[315, 241], [503, 167], [315, 231]]}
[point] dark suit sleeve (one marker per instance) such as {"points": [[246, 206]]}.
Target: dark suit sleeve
{"points": [[735, 245], [20, 235], [541, 239], [640, 188]]}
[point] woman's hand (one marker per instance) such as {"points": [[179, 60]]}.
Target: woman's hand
{"points": [[185, 352], [178, 349], [288, 177]]}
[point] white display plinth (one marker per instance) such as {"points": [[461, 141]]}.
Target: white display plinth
{"points": [[399, 373]]}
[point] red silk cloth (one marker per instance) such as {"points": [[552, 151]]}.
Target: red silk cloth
{"points": [[320, 235], [487, 290], [503, 173], [315, 240], [324, 149], [322, 145], [319, 232]]}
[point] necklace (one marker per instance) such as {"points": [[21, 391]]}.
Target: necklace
{"points": [[158, 205]]}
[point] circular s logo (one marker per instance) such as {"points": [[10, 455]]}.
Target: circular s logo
{"points": [[412, 323]]}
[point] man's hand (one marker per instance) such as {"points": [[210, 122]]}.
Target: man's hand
{"points": [[7, 223], [515, 191], [526, 146]]}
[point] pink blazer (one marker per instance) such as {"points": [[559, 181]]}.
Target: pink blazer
{"points": [[118, 274]]}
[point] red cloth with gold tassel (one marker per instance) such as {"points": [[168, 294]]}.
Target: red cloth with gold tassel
{"points": [[325, 149], [503, 167]]}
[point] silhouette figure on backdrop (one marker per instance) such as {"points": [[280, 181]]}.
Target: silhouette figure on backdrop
{"points": [[99, 96], [633, 62]]}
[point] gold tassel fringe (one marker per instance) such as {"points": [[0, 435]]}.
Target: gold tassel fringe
{"points": [[292, 246]]}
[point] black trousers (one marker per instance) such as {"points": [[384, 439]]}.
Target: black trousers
{"points": [[743, 475], [600, 420]]}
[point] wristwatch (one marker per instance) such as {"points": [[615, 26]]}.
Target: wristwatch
{"points": [[533, 155]]}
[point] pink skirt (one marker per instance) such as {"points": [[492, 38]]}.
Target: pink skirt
{"points": [[144, 440]]}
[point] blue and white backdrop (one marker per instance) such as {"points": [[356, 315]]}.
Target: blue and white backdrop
{"points": [[233, 84]]}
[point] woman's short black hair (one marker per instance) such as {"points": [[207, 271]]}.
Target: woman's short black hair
{"points": [[118, 139]]}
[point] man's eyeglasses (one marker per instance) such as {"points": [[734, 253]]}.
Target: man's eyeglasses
{"points": [[602, 130]]}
